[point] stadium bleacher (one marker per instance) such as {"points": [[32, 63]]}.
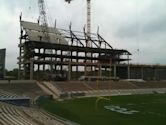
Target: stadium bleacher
{"points": [[42, 116], [87, 86], [14, 99], [150, 84], [68, 89], [70, 86], [107, 88], [31, 90], [105, 85], [14, 115]]}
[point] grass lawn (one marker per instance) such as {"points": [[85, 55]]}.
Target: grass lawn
{"points": [[152, 110]]}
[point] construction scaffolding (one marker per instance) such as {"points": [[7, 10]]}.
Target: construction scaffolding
{"points": [[69, 49]]}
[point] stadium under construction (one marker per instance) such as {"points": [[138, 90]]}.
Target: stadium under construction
{"points": [[67, 57], [68, 77]]}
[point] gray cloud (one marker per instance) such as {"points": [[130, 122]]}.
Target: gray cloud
{"points": [[156, 26], [127, 24]]}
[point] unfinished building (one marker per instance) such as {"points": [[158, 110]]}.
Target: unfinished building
{"points": [[66, 55]]}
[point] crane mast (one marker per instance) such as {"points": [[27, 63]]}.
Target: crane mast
{"points": [[44, 26], [43, 20], [88, 21], [88, 25]]}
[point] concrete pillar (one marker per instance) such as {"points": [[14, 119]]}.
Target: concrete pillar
{"points": [[100, 70], [77, 61], [31, 70], [155, 73], [128, 72], [110, 72], [44, 60], [142, 73], [115, 75], [39, 50], [43, 67], [38, 68], [85, 70], [69, 71], [61, 67]]}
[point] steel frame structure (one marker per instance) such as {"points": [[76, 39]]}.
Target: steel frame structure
{"points": [[34, 56]]}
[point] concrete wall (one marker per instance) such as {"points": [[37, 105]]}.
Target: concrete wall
{"points": [[16, 81], [121, 72], [139, 72], [136, 73], [161, 73]]}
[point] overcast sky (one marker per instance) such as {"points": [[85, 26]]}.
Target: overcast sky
{"points": [[126, 24]]}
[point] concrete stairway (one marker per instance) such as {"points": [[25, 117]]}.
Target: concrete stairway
{"points": [[49, 89]]}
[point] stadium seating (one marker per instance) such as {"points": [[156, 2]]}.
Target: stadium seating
{"points": [[107, 88], [71, 86], [150, 84], [13, 115], [109, 85], [14, 99], [31, 90], [42, 116], [88, 86], [5, 94]]}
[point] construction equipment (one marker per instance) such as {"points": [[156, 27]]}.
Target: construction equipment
{"points": [[88, 20], [88, 43], [43, 20], [44, 26]]}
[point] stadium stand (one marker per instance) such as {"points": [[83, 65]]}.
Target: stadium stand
{"points": [[107, 88], [43, 117], [68, 89], [88, 86], [105, 85], [71, 86], [108, 85], [14, 115], [150, 84], [30, 89], [14, 99]]}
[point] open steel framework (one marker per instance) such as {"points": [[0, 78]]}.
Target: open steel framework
{"points": [[69, 52]]}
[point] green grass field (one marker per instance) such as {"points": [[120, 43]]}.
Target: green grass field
{"points": [[152, 110]]}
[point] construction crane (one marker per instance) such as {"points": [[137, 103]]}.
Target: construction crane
{"points": [[44, 26], [88, 30], [43, 20], [88, 20]]}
